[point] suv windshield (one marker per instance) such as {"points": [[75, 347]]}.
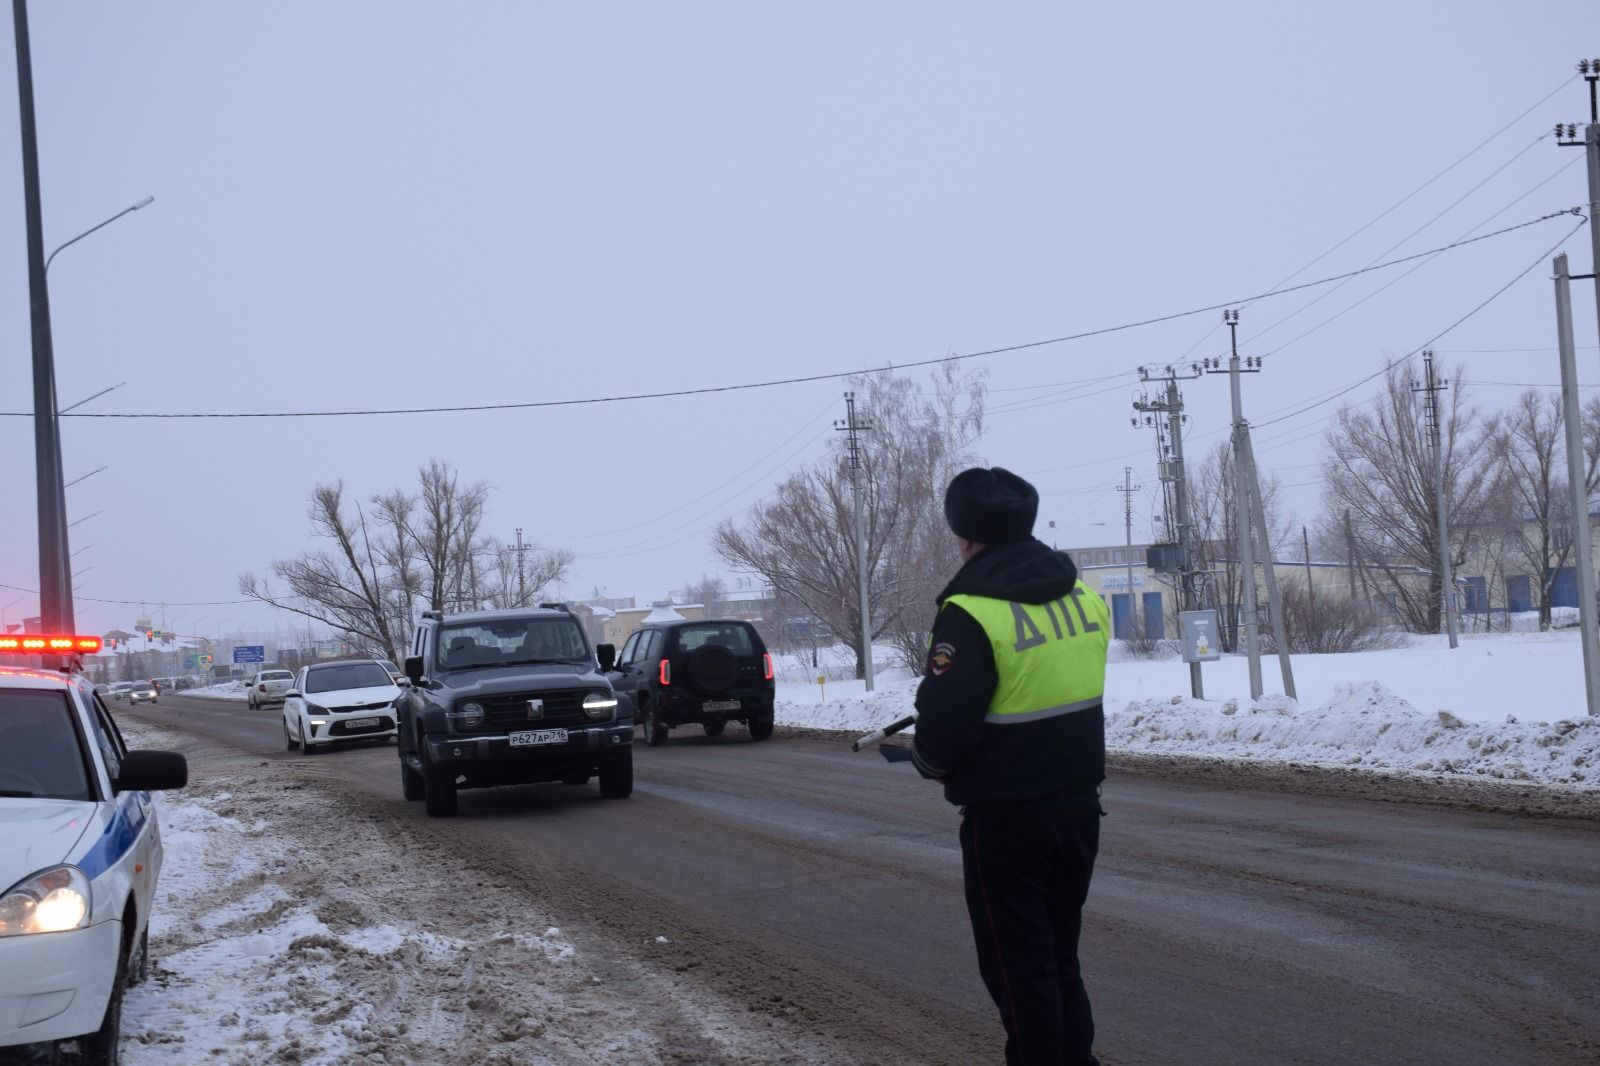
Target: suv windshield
{"points": [[346, 675], [39, 752], [515, 640], [736, 638]]}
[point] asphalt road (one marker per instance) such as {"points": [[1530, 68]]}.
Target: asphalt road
{"points": [[1234, 917]]}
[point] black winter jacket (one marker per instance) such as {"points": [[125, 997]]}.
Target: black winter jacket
{"points": [[981, 764]]}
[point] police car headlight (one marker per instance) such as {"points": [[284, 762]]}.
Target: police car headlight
{"points": [[599, 705], [51, 901], [468, 715]]}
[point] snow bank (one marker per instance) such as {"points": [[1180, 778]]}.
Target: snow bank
{"points": [[1363, 725], [1502, 705]]}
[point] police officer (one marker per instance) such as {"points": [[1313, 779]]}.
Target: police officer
{"points": [[1009, 719]]}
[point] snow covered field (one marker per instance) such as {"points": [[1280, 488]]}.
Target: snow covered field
{"points": [[1503, 705]]}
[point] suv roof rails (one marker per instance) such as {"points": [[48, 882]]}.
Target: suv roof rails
{"points": [[437, 616]]}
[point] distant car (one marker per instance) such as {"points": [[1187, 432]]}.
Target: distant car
{"points": [[80, 852], [120, 690], [142, 692], [351, 700], [268, 687], [394, 671], [708, 672]]}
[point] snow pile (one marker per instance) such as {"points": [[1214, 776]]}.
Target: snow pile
{"points": [[1502, 705], [1363, 725], [227, 690]]}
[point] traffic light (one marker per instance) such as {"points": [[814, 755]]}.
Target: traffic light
{"points": [[112, 643], [155, 634], [149, 634]]}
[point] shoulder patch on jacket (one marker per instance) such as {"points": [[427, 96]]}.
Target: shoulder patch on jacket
{"points": [[939, 660]]}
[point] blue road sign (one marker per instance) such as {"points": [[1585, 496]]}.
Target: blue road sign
{"points": [[250, 653]]}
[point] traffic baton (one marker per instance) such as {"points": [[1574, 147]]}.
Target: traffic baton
{"points": [[878, 736]]}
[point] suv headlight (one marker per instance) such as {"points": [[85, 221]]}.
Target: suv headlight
{"points": [[467, 716], [599, 705], [51, 901]]}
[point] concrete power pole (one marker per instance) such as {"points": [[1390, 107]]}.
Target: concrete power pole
{"points": [[1251, 520], [1128, 488], [1577, 486], [1173, 472], [1248, 621], [1567, 137], [853, 428], [1431, 388], [522, 581]]}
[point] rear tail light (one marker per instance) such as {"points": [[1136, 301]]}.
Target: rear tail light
{"points": [[666, 671], [262, 688], [766, 665]]}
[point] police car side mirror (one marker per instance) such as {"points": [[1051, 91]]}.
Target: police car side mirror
{"points": [[151, 771], [293, 693], [413, 665], [607, 655]]}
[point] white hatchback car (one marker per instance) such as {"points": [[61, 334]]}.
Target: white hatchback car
{"points": [[80, 851], [350, 700], [268, 687]]}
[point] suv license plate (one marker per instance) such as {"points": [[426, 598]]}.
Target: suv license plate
{"points": [[720, 705], [535, 737], [360, 723]]}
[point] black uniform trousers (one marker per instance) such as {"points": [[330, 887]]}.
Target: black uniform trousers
{"points": [[1027, 868]]}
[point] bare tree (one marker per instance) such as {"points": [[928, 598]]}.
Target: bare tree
{"points": [[401, 554], [1379, 469], [1530, 448], [710, 592], [348, 587], [802, 542]]}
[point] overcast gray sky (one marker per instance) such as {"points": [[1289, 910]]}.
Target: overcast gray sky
{"points": [[379, 205]]}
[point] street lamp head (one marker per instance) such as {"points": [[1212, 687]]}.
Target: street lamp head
{"points": [[146, 202]]}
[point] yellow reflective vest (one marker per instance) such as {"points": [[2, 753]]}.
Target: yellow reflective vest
{"points": [[1050, 657]]}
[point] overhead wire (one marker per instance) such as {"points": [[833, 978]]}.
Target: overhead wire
{"points": [[802, 379], [1352, 386]]}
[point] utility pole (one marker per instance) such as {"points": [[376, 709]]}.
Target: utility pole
{"points": [[1431, 388], [1567, 137], [1241, 504], [1577, 485], [1250, 510], [55, 583], [1311, 596], [522, 586], [854, 429], [1172, 472], [1127, 489]]}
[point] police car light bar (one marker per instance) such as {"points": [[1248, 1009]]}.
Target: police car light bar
{"points": [[46, 644]]}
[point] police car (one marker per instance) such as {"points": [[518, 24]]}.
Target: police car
{"points": [[80, 851]]}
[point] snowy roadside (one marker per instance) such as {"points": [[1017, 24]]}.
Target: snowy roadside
{"points": [[1350, 716], [291, 928]]}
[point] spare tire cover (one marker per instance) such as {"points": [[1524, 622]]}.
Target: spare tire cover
{"points": [[711, 669]]}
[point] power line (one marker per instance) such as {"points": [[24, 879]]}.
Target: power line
{"points": [[141, 603], [804, 379], [1444, 332]]}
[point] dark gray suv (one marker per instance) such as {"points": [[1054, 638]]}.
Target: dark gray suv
{"points": [[509, 697], [707, 672]]}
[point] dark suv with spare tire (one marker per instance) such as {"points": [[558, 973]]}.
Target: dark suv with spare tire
{"points": [[507, 698], [703, 672]]}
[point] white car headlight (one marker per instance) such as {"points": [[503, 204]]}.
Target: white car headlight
{"points": [[51, 901], [599, 705], [468, 715]]}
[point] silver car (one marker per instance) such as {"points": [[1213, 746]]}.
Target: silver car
{"points": [[268, 686]]}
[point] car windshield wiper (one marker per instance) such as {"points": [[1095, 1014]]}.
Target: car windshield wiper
{"points": [[15, 793]]}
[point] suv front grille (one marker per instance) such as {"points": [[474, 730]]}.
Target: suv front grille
{"points": [[560, 708]]}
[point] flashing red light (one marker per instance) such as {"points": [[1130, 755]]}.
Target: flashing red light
{"points": [[47, 644], [666, 671], [766, 666]]}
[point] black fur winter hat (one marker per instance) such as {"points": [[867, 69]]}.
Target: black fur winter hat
{"points": [[991, 506]]}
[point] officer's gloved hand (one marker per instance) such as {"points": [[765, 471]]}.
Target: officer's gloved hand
{"points": [[894, 753]]}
